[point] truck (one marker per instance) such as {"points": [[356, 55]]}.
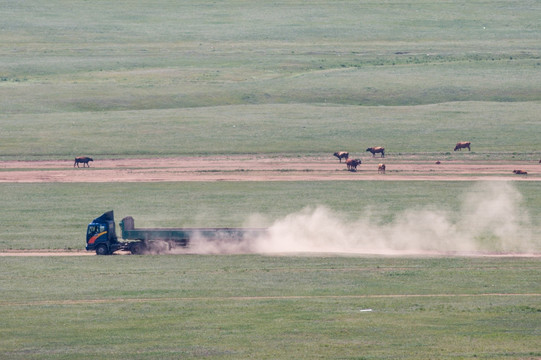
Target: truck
{"points": [[101, 236]]}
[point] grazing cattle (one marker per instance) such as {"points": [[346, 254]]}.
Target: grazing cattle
{"points": [[520, 172], [352, 164], [341, 155], [381, 168], [82, 160], [377, 149], [463, 145], [438, 162]]}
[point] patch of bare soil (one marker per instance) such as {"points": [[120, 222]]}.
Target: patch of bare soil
{"points": [[259, 168], [60, 252], [45, 253]]}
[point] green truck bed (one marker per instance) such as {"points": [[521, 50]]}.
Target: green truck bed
{"points": [[130, 232]]}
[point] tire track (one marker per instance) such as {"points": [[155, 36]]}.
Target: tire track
{"points": [[254, 298]]}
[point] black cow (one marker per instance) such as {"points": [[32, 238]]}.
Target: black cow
{"points": [[82, 160]]}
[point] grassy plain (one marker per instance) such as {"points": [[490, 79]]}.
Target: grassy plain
{"points": [[507, 131], [240, 307], [175, 78], [167, 78], [55, 215]]}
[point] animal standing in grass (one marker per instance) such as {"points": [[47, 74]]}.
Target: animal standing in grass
{"points": [[341, 155], [381, 169], [375, 150], [82, 160], [463, 145], [520, 172], [352, 164]]}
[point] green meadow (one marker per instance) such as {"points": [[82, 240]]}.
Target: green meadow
{"points": [[498, 131], [169, 78], [248, 306], [116, 79], [55, 215]]}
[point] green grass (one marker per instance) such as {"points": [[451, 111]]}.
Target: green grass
{"points": [[497, 131], [239, 307], [55, 215], [167, 79], [171, 78]]}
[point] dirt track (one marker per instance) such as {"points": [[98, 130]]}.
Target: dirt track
{"points": [[59, 252], [256, 168], [44, 253], [255, 298]]}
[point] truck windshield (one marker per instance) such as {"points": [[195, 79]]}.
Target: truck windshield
{"points": [[95, 229]]}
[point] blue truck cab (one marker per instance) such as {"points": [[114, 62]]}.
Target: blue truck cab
{"points": [[101, 235]]}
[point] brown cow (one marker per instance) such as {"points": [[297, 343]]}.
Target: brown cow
{"points": [[381, 168], [341, 155], [377, 149], [82, 160], [352, 164], [463, 145], [520, 172]]}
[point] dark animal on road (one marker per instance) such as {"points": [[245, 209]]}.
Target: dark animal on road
{"points": [[463, 145], [341, 155], [352, 164], [381, 168], [438, 162], [520, 172], [82, 160], [377, 149]]}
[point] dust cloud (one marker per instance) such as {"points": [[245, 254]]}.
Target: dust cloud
{"points": [[490, 219]]}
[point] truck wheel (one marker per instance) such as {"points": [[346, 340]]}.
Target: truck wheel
{"points": [[137, 249], [102, 250]]}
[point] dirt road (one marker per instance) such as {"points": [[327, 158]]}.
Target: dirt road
{"points": [[258, 168]]}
